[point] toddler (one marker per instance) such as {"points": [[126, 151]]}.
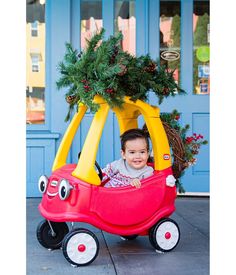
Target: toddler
{"points": [[132, 167]]}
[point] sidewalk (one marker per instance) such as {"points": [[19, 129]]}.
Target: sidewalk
{"points": [[190, 257]]}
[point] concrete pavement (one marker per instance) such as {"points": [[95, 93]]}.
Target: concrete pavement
{"points": [[116, 256]]}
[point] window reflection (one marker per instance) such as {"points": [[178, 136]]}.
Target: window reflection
{"points": [[91, 19], [201, 49], [170, 36], [35, 62], [126, 23]]}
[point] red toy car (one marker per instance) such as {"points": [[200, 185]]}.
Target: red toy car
{"points": [[75, 192]]}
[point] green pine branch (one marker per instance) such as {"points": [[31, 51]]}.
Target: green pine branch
{"points": [[103, 68]]}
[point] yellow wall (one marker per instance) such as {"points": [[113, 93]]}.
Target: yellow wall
{"points": [[35, 44]]}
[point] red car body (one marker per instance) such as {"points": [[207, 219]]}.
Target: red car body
{"points": [[123, 211]]}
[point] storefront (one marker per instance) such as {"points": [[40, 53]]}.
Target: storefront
{"points": [[178, 32]]}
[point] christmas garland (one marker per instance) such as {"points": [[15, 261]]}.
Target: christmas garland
{"points": [[103, 68]]}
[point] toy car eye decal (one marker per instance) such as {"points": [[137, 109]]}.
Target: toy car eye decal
{"points": [[64, 189], [42, 183]]}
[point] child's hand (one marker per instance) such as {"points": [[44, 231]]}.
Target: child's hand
{"points": [[136, 183]]}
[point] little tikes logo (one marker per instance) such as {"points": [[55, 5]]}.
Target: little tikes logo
{"points": [[166, 156]]}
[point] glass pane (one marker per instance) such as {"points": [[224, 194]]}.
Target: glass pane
{"points": [[201, 47], [170, 36], [126, 23], [34, 28], [91, 19], [35, 62]]}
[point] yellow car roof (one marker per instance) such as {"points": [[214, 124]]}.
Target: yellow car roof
{"points": [[127, 119]]}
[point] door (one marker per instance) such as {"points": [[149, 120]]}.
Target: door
{"points": [[184, 31]]}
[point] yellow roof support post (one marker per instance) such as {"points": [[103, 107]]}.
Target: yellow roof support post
{"points": [[66, 142], [127, 118], [85, 169]]}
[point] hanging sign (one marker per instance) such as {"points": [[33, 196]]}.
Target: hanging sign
{"points": [[170, 55]]}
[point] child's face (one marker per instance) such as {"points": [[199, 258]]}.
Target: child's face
{"points": [[136, 153]]}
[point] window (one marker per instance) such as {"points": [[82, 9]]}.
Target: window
{"points": [[91, 19], [35, 62], [34, 28], [170, 36], [35, 99], [201, 48], [126, 23]]}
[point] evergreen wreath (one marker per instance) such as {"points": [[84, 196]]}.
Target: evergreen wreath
{"points": [[184, 148], [103, 68]]}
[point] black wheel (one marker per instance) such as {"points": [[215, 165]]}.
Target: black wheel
{"points": [[150, 236], [130, 237], [165, 235], [99, 170], [80, 247], [51, 239]]}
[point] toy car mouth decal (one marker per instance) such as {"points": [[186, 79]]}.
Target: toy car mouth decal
{"points": [[52, 190], [52, 194]]}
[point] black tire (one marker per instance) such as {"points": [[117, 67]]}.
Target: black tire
{"points": [[165, 235], [45, 237], [130, 237], [80, 239], [151, 236]]}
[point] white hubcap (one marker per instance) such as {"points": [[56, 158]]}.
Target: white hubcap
{"points": [[167, 235], [81, 248]]}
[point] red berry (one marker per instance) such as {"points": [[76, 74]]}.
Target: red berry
{"points": [[177, 117], [109, 90]]}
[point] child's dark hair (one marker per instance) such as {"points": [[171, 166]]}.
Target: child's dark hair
{"points": [[131, 135]]}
